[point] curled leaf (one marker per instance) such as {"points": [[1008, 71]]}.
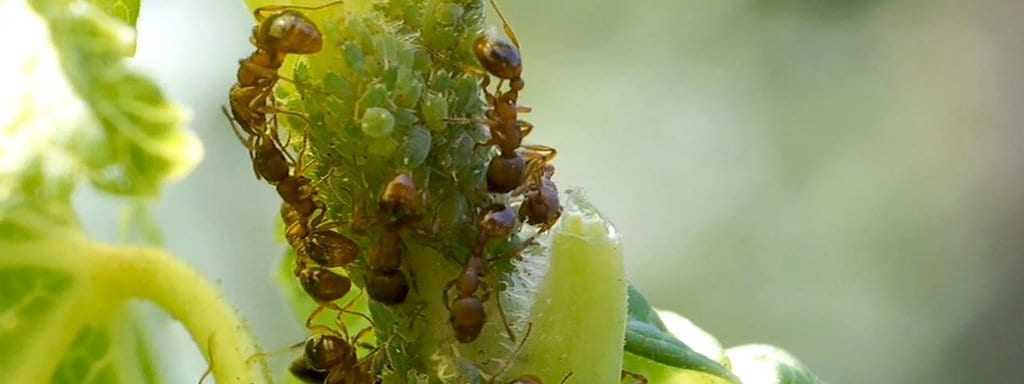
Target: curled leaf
{"points": [[765, 364]]}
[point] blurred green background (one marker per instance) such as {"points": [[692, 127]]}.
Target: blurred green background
{"points": [[837, 177]]}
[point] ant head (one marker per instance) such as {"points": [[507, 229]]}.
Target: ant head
{"points": [[289, 32], [498, 56]]}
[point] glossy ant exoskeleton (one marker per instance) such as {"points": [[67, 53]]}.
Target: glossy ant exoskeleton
{"points": [[281, 30], [466, 309], [399, 206], [331, 359]]}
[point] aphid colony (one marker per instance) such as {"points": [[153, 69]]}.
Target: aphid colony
{"points": [[516, 174]]}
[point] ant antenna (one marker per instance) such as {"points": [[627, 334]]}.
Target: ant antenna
{"points": [[209, 352], [515, 353], [505, 25], [260, 13]]}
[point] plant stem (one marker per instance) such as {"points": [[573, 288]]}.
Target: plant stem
{"points": [[155, 275]]}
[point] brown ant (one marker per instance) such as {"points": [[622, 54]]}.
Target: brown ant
{"points": [[399, 206], [466, 309], [541, 206], [501, 58], [385, 282], [331, 359], [316, 251], [281, 31]]}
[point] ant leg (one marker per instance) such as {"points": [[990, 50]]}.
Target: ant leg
{"points": [[209, 352], [361, 333], [504, 23], [545, 153], [444, 294], [639, 379], [485, 291], [565, 378], [504, 320], [525, 127], [237, 129], [529, 327], [419, 312], [348, 309], [317, 328], [274, 353], [260, 13]]}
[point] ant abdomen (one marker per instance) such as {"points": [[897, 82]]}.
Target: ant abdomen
{"points": [[498, 223], [323, 285], [270, 162], [505, 173], [400, 200], [290, 32], [301, 370], [467, 317], [324, 352], [498, 56], [331, 249], [388, 287]]}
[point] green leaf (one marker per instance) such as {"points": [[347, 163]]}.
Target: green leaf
{"points": [[647, 337], [71, 108], [55, 325], [126, 10], [64, 316], [765, 364], [641, 311]]}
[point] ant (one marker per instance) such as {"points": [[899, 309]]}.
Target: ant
{"points": [[281, 31], [501, 58], [399, 206], [316, 251], [385, 281], [331, 359], [541, 205], [467, 308]]}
